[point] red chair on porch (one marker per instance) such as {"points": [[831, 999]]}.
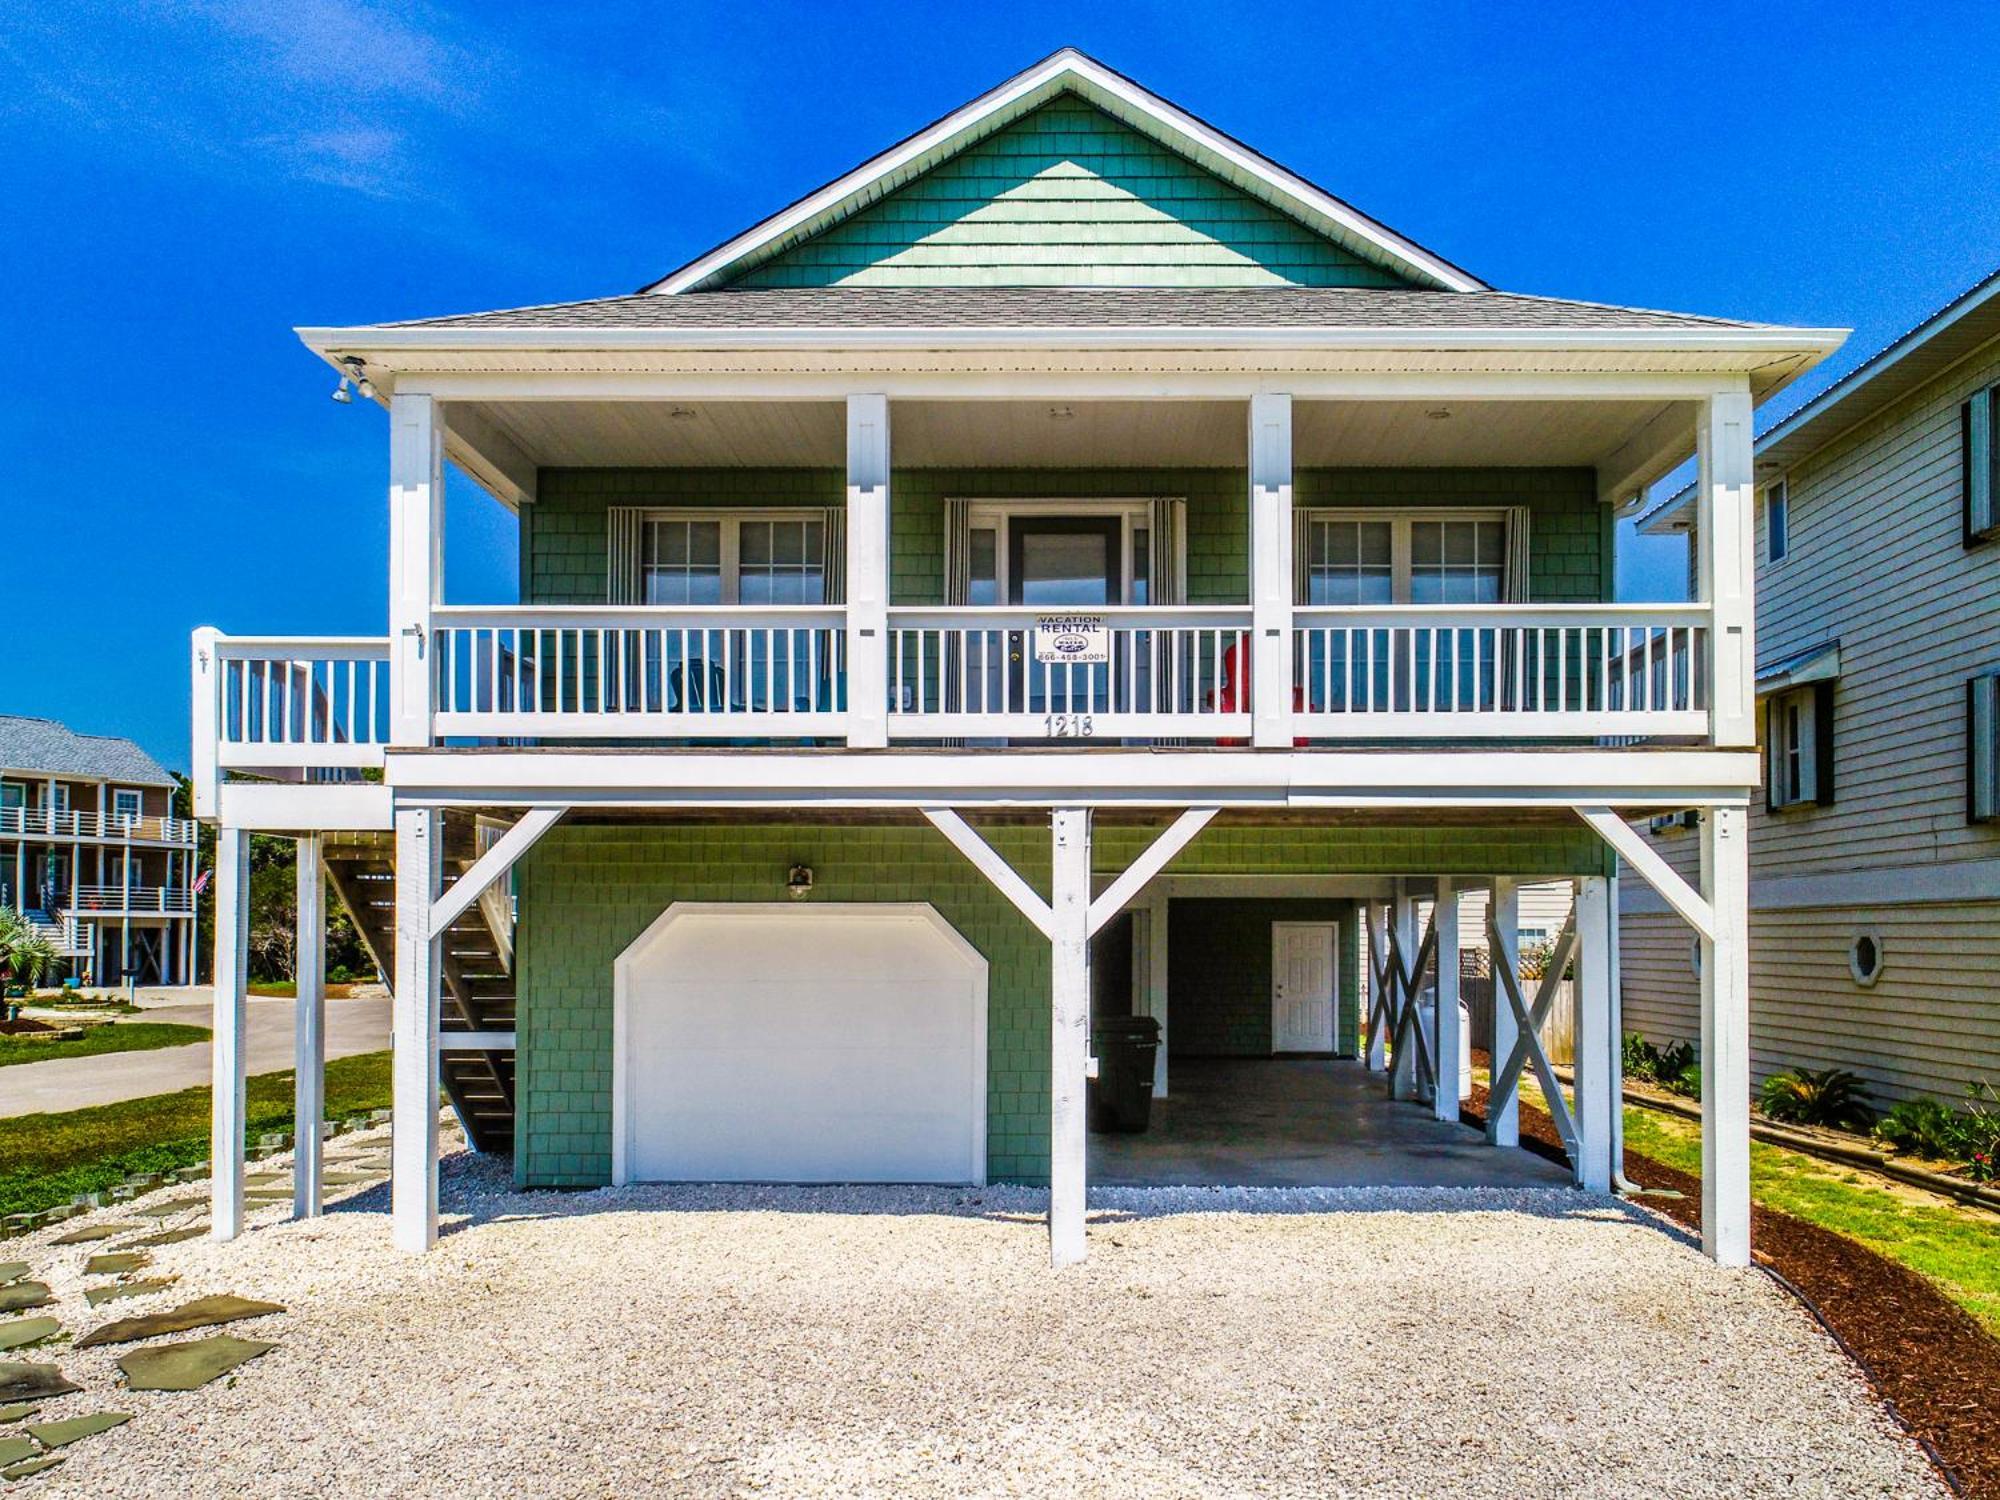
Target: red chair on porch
{"points": [[1233, 695]]}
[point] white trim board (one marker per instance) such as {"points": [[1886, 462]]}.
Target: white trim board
{"points": [[621, 1103], [1874, 888]]}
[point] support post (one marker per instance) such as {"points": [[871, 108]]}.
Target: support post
{"points": [[1503, 1116], [1158, 978], [416, 560], [414, 1068], [228, 1111], [1069, 995], [1725, 1039], [1381, 988], [867, 571], [1726, 561], [1594, 1042], [1271, 584], [1403, 1060], [1445, 924], [309, 1033]]}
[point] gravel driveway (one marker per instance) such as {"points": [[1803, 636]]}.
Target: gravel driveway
{"points": [[724, 1341]]}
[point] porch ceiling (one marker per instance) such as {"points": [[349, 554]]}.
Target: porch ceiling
{"points": [[1066, 434]]}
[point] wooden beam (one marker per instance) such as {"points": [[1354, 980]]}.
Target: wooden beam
{"points": [[1069, 1030], [1444, 926], [1177, 837], [1725, 1040], [413, 1145], [228, 1114], [491, 865], [867, 571], [475, 1041], [1503, 1116], [416, 560], [1726, 561], [1596, 1048], [309, 1032], [1006, 879], [1646, 863], [1271, 580]]}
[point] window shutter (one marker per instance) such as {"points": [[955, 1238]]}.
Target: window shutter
{"points": [[1977, 466], [624, 526], [1822, 720], [957, 551], [1515, 585], [1982, 755], [833, 554], [1772, 758], [1168, 564], [1301, 557]]}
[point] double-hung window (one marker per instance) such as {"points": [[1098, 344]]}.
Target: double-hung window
{"points": [[1778, 522], [1798, 746], [1979, 465], [1378, 558], [750, 559], [1982, 748]]}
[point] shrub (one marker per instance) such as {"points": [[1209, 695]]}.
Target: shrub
{"points": [[1928, 1127], [1672, 1067], [1981, 1130], [1832, 1098], [1641, 1058]]}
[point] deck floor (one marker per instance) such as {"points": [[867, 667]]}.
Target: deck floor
{"points": [[1284, 1122]]}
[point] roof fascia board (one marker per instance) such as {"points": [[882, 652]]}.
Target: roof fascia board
{"points": [[1134, 105], [327, 342]]}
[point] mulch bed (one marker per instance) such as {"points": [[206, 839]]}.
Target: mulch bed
{"points": [[23, 1026], [1938, 1369]]}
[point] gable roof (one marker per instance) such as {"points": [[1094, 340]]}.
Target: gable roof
{"points": [[29, 744], [1116, 95], [1940, 341]]}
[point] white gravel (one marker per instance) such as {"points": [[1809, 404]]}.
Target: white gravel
{"points": [[796, 1341]]}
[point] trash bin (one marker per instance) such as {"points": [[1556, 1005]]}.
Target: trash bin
{"points": [[1121, 1095]]}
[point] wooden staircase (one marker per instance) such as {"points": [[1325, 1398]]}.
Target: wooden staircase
{"points": [[477, 979]]}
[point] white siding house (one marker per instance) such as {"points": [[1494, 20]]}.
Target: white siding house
{"points": [[1875, 873]]}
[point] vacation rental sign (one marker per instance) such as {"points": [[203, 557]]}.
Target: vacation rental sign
{"points": [[1075, 638]]}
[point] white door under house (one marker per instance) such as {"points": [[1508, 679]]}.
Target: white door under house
{"points": [[824, 1043], [1304, 983]]}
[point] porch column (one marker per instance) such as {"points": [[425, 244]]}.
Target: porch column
{"points": [[1725, 1039], [1726, 561], [1445, 1102], [1503, 1116], [867, 571], [1403, 1059], [228, 1108], [1375, 1035], [1069, 1025], [309, 1032], [1271, 569], [416, 560], [413, 1183], [1158, 976], [1594, 1043]]}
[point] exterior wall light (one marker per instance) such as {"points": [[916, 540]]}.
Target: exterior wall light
{"points": [[799, 883]]}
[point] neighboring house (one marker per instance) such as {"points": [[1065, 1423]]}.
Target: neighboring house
{"points": [[1067, 523], [1875, 845], [91, 853]]}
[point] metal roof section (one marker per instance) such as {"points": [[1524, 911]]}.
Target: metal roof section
{"points": [[1819, 663]]}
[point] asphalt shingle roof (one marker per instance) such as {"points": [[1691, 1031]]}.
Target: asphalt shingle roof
{"points": [[55, 749], [1077, 307]]}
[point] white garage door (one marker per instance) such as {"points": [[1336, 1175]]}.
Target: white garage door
{"points": [[822, 1043]]}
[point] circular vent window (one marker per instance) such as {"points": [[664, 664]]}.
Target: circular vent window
{"points": [[1864, 958]]}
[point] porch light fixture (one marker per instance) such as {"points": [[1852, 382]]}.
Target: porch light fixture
{"points": [[353, 373], [799, 883]]}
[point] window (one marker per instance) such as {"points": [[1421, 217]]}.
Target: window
{"points": [[61, 803], [13, 794], [1778, 522], [1798, 734], [775, 558], [1982, 748], [1979, 466], [1351, 563], [126, 804], [1457, 562], [1458, 558], [1864, 959]]}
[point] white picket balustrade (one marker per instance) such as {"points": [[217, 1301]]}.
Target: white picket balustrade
{"points": [[299, 701]]}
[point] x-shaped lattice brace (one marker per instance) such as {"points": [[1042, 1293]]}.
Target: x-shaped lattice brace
{"points": [[1395, 1002], [1528, 1025], [1382, 966]]}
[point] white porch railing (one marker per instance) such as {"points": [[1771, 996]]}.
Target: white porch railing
{"points": [[1168, 673], [80, 823], [138, 900], [1501, 671], [657, 672], [298, 701]]}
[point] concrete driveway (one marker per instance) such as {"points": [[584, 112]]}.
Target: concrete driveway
{"points": [[352, 1026]]}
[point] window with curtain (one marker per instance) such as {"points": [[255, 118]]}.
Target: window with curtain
{"points": [[753, 560]]}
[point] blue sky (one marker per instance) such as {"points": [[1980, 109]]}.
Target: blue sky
{"points": [[185, 183]]}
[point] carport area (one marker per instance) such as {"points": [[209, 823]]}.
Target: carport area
{"points": [[1302, 1122]]}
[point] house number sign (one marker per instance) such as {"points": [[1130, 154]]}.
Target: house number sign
{"points": [[1071, 638]]}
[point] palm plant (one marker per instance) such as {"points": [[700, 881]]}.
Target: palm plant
{"points": [[27, 957], [1832, 1098]]}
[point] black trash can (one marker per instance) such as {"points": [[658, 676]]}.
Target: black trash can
{"points": [[1121, 1095]]}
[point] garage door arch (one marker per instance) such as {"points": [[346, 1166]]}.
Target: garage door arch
{"points": [[786, 1042]]}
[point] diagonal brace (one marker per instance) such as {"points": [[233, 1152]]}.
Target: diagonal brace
{"points": [[1177, 837], [1655, 871], [1527, 1034], [986, 859], [491, 865]]}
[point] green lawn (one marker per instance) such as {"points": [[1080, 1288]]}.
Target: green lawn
{"points": [[118, 1036], [50, 1158], [1956, 1247]]}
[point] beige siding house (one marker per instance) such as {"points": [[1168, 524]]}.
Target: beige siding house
{"points": [[1875, 860]]}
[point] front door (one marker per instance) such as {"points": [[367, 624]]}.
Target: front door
{"points": [[1304, 971], [1062, 564]]}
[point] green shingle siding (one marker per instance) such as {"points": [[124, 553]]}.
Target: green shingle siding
{"points": [[563, 533], [587, 892], [1219, 973], [1068, 196]]}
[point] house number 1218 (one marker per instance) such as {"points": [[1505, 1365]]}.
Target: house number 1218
{"points": [[1069, 726]]}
